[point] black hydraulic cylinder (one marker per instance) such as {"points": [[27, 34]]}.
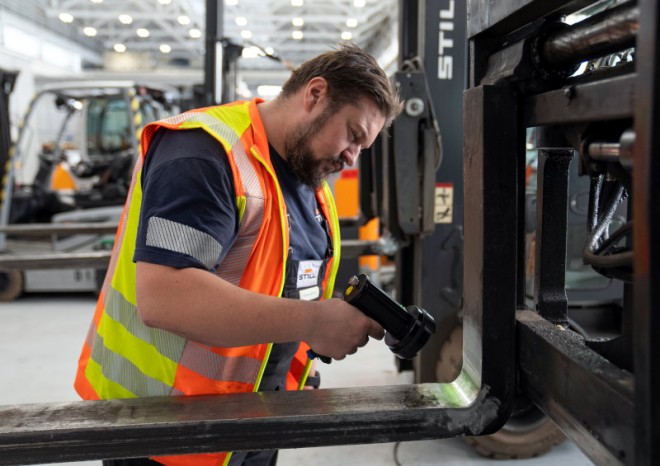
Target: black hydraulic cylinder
{"points": [[606, 32]]}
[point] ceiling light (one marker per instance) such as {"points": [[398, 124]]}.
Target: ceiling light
{"points": [[165, 48], [66, 17], [125, 19], [142, 32], [297, 2], [231, 2], [119, 48], [246, 34], [297, 35], [351, 22], [269, 50], [89, 31], [164, 2], [297, 22], [183, 20], [241, 20], [251, 52], [359, 3], [346, 35], [195, 33], [96, 1]]}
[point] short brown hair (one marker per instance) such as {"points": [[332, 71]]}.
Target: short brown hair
{"points": [[351, 73]]}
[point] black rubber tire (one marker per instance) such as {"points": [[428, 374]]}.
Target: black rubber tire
{"points": [[525, 436], [11, 285]]}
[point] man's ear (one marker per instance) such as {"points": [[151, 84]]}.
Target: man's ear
{"points": [[315, 93]]}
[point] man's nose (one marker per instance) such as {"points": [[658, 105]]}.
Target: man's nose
{"points": [[351, 154]]}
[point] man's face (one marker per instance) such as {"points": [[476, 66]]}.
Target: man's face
{"points": [[331, 140]]}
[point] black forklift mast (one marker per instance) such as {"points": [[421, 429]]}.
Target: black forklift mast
{"points": [[413, 180], [432, 38]]}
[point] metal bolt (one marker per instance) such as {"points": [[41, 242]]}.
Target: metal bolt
{"points": [[414, 107]]}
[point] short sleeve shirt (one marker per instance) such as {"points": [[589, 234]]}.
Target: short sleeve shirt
{"points": [[188, 192]]}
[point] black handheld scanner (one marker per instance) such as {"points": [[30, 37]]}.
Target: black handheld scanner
{"points": [[407, 329]]}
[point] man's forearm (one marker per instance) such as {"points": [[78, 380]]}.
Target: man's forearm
{"points": [[198, 305]]}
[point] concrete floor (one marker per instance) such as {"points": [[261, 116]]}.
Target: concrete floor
{"points": [[40, 340]]}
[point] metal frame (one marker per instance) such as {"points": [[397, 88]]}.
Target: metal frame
{"points": [[608, 411], [646, 322]]}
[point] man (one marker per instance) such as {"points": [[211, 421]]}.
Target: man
{"points": [[229, 212]]}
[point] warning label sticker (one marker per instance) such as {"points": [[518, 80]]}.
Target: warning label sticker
{"points": [[444, 203]]}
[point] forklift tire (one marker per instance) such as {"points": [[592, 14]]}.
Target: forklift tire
{"points": [[524, 436], [11, 285]]}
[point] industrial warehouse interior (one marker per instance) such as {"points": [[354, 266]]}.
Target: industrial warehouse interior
{"points": [[455, 200]]}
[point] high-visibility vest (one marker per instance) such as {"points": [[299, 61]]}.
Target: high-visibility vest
{"points": [[123, 358]]}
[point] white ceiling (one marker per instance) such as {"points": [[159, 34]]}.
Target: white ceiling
{"points": [[269, 25]]}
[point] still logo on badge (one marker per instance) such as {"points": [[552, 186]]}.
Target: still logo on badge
{"points": [[308, 272]]}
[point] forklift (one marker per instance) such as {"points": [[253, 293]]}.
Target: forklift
{"points": [[72, 164], [420, 207]]}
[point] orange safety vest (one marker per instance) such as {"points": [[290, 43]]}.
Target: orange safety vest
{"points": [[123, 358]]}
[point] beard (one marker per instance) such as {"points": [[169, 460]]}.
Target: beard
{"points": [[298, 152]]}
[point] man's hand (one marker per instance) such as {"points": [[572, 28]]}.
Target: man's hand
{"points": [[340, 329]]}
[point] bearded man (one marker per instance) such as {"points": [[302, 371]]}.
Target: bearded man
{"points": [[229, 213]]}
